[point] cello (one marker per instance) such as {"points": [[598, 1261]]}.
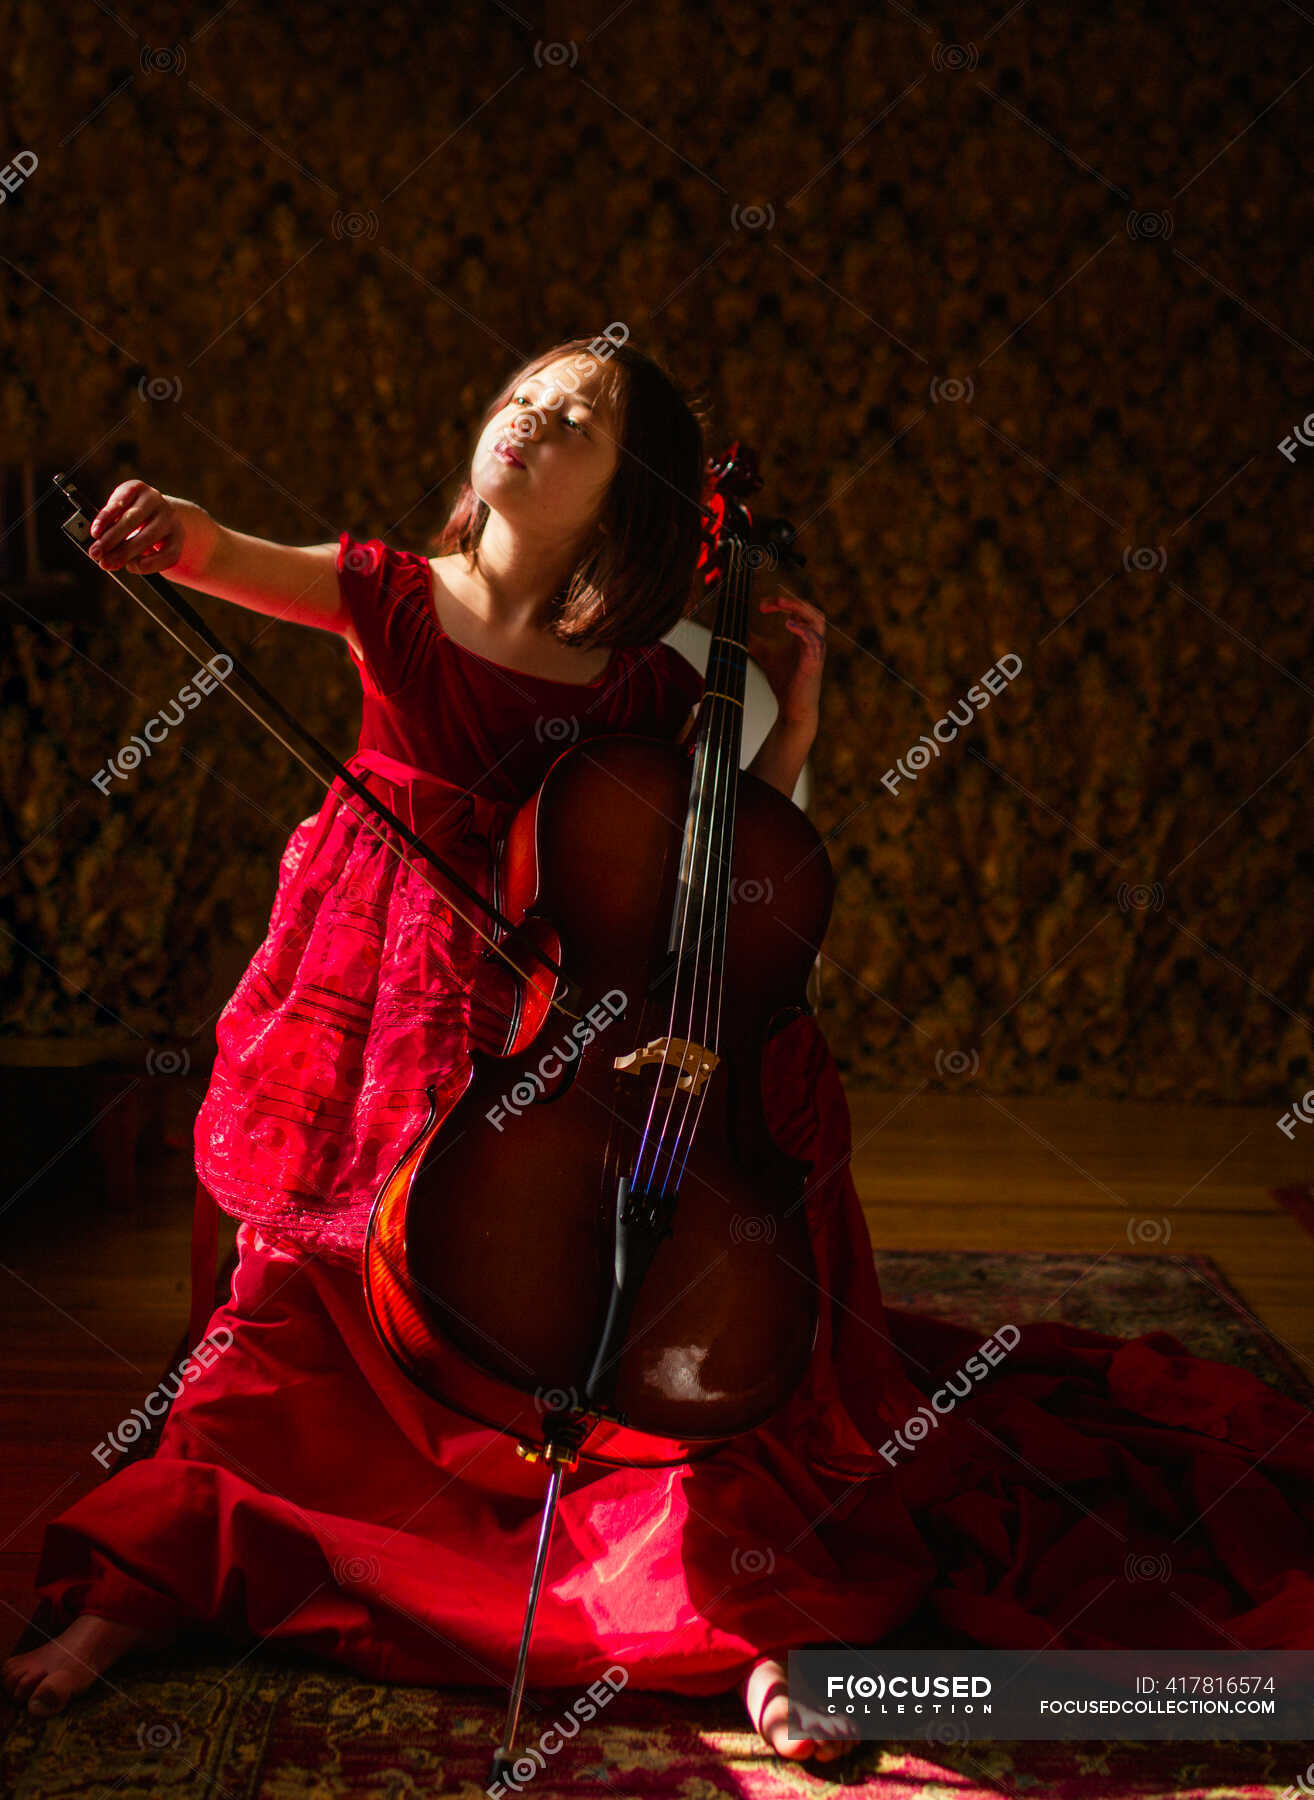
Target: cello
{"points": [[599, 1249]]}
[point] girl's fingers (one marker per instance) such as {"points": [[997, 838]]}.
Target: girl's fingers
{"points": [[146, 548], [804, 606], [138, 538], [123, 495], [159, 559], [126, 523], [126, 555], [145, 514]]}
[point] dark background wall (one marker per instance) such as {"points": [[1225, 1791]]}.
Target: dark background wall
{"points": [[1016, 323]]}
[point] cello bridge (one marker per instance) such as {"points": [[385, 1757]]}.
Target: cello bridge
{"points": [[694, 1062]]}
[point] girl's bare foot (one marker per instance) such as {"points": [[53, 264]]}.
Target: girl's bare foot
{"points": [[765, 1692], [49, 1676]]}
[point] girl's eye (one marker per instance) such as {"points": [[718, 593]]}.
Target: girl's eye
{"points": [[572, 422]]}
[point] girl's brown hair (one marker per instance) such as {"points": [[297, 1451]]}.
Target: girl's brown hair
{"points": [[635, 577]]}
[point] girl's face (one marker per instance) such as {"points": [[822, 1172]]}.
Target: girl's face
{"points": [[557, 427]]}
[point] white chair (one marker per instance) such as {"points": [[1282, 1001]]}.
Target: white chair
{"points": [[693, 641]]}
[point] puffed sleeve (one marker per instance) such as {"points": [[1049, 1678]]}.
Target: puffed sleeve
{"points": [[387, 595]]}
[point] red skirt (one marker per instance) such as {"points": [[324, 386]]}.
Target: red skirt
{"points": [[1061, 1488]]}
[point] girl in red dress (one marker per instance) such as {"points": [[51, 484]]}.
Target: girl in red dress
{"points": [[303, 1491]]}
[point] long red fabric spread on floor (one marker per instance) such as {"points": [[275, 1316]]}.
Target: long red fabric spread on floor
{"points": [[1052, 1487]]}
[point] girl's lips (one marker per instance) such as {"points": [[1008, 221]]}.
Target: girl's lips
{"points": [[507, 454]]}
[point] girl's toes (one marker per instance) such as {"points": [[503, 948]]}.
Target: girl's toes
{"points": [[48, 1698], [796, 1749]]}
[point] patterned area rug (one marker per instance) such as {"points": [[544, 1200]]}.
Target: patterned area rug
{"points": [[204, 1722]]}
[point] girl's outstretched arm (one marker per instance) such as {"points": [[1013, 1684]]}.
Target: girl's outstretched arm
{"points": [[143, 530]]}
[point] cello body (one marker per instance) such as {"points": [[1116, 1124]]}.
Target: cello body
{"points": [[489, 1262]]}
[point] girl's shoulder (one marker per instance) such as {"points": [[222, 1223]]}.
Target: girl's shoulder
{"points": [[388, 596]]}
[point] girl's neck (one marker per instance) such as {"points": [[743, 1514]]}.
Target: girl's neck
{"points": [[510, 582], [530, 651]]}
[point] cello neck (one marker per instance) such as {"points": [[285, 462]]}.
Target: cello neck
{"points": [[702, 895]]}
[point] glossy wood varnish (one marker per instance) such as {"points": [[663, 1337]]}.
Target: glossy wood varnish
{"points": [[488, 1261]]}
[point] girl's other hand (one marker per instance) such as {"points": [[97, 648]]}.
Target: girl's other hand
{"points": [[792, 668], [138, 529]]}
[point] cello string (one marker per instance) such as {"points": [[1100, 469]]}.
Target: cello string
{"points": [[681, 965], [706, 750], [711, 853], [376, 829], [728, 769]]}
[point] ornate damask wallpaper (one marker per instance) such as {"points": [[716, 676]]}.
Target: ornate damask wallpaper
{"points": [[1020, 329]]}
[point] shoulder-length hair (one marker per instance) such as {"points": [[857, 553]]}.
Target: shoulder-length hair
{"points": [[635, 576]]}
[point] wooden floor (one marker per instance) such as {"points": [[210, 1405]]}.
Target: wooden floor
{"points": [[92, 1302]]}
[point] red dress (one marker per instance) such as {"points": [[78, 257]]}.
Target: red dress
{"points": [[304, 1491]]}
